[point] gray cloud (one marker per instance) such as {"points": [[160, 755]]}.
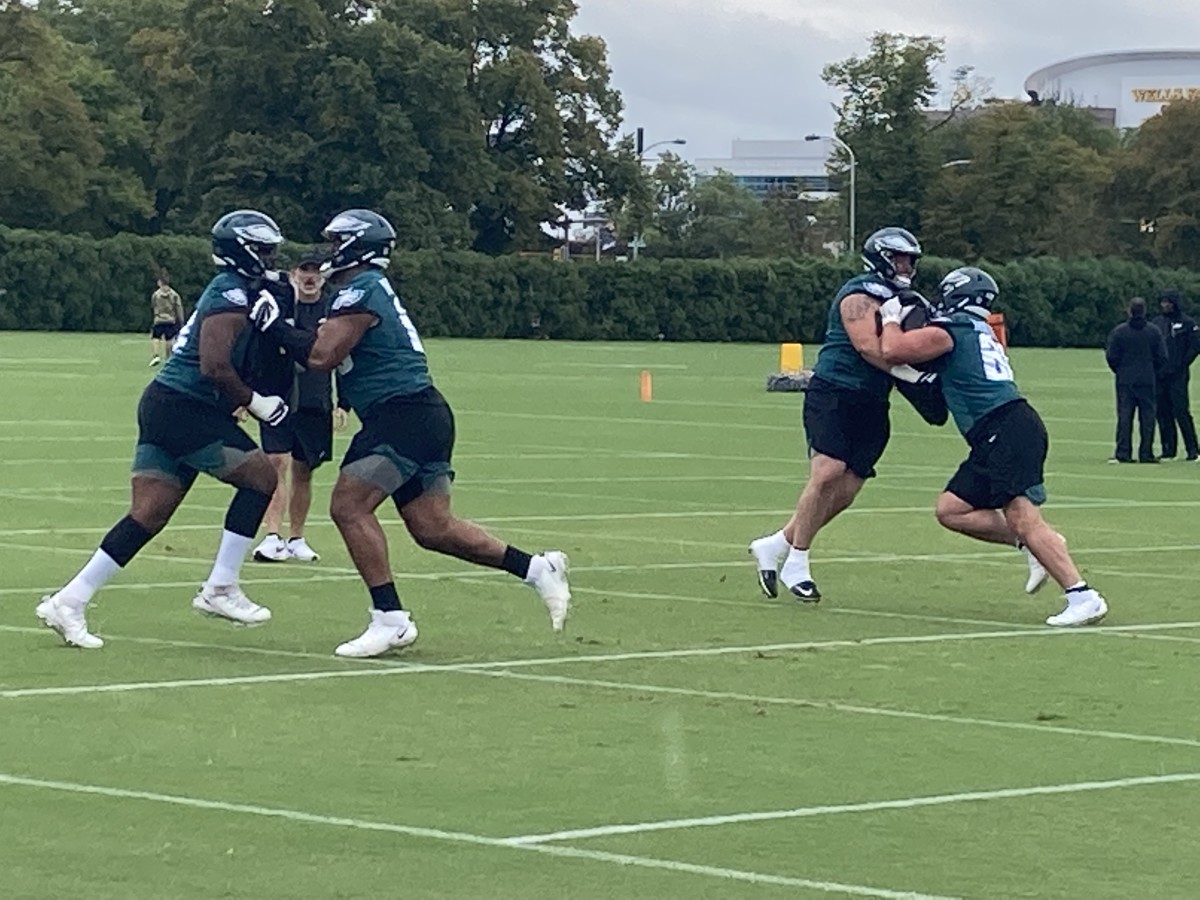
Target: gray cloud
{"points": [[714, 70]]}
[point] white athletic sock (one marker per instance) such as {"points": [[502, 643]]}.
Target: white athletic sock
{"points": [[795, 568], [230, 556], [93, 576], [771, 548], [537, 565]]}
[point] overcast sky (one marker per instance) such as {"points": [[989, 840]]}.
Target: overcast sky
{"points": [[714, 70]]}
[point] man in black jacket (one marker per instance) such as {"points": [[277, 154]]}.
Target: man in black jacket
{"points": [[1183, 344], [1136, 353]]}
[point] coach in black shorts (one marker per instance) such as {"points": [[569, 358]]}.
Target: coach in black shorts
{"points": [[304, 440]]}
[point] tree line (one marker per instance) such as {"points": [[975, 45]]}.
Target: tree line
{"points": [[472, 124]]}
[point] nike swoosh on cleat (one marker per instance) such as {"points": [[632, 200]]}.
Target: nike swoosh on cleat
{"points": [[806, 592]]}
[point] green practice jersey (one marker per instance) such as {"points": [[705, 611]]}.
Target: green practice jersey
{"points": [[181, 372], [838, 362], [976, 376], [389, 359]]}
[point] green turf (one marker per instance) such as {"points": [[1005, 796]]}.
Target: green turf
{"points": [[926, 672]]}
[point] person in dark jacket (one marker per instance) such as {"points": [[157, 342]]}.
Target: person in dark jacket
{"points": [[1183, 344], [1136, 353]]}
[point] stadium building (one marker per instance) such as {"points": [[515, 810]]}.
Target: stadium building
{"points": [[1134, 85]]}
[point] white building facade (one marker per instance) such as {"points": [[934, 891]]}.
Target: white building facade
{"points": [[769, 166], [1137, 84]]}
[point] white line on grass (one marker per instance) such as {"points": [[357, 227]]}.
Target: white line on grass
{"points": [[835, 706], [462, 838], [874, 806], [404, 668]]}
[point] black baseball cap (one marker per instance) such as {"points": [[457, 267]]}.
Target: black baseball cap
{"points": [[309, 258]]}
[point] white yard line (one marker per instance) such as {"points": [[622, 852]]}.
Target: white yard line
{"points": [[835, 706], [460, 837], [873, 806]]}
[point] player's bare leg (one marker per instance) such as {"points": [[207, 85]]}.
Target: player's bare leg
{"points": [[272, 548], [298, 507], [830, 489], [153, 501], [991, 526], [1084, 605], [433, 526], [221, 595]]}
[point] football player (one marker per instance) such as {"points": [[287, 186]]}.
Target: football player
{"points": [[186, 426], [404, 447], [996, 493], [845, 410]]}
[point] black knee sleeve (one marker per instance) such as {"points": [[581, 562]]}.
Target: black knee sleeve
{"points": [[246, 512], [124, 540]]}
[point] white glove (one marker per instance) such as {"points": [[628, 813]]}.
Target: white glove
{"points": [[271, 410], [265, 311], [891, 311], [905, 373]]}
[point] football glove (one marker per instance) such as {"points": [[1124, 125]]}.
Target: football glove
{"points": [[265, 311], [911, 375], [268, 410], [891, 312]]}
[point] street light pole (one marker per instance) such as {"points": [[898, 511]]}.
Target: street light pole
{"points": [[641, 152], [853, 185]]}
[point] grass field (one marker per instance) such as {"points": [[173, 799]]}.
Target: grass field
{"points": [[920, 733]]}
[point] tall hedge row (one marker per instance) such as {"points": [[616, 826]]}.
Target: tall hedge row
{"points": [[56, 282]]}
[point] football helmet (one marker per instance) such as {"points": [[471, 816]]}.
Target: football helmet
{"points": [[880, 249], [358, 237], [969, 290], [245, 240]]}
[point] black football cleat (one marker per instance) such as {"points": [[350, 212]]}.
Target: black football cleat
{"points": [[768, 580], [806, 592]]}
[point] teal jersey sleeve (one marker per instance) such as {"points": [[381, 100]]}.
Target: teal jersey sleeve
{"points": [[389, 360], [224, 294]]}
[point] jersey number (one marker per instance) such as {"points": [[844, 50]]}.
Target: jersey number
{"points": [[184, 333], [995, 362], [413, 338]]}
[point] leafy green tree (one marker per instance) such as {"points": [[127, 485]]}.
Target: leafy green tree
{"points": [[1156, 188], [1030, 183], [880, 117]]}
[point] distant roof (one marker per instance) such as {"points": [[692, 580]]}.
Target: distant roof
{"points": [[1049, 73]]}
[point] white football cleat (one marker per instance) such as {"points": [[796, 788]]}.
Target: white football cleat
{"points": [[272, 549], [551, 585], [297, 548], [229, 602], [1037, 572], [1089, 609], [69, 622], [387, 631], [768, 563]]}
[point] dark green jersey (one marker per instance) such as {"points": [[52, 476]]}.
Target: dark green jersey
{"points": [[225, 293], [838, 362], [389, 360], [976, 376]]}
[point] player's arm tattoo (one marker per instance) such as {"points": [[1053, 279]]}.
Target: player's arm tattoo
{"points": [[858, 306]]}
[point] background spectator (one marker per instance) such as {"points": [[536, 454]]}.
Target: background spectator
{"points": [[168, 319], [1136, 353], [1174, 406]]}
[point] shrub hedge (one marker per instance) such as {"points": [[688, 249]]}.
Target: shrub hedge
{"points": [[54, 282]]}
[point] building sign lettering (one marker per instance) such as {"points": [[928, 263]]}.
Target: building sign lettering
{"points": [[1164, 95]]}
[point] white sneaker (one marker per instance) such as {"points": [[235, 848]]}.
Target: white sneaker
{"points": [[154, 361], [272, 549], [297, 548], [551, 585], [69, 622], [1037, 572], [768, 563], [229, 602], [1087, 610], [387, 631]]}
